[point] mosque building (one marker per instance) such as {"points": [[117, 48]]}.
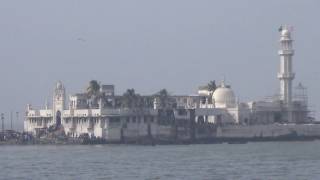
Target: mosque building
{"points": [[218, 107], [283, 108]]}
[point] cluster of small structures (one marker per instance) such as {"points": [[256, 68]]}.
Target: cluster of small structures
{"points": [[214, 114], [15, 137]]}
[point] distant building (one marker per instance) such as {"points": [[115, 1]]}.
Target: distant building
{"points": [[107, 119]]}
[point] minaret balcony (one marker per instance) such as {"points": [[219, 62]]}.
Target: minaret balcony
{"points": [[285, 38], [286, 75], [286, 52]]}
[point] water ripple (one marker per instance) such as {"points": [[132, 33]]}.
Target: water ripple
{"points": [[274, 160]]}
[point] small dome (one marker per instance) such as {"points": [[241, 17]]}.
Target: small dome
{"points": [[224, 97], [59, 85], [285, 32]]}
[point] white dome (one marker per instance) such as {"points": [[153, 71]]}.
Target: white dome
{"points": [[59, 85], [285, 32], [224, 97]]}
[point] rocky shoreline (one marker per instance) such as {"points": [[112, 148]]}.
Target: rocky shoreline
{"points": [[154, 141]]}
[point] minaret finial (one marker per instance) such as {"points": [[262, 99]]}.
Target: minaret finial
{"points": [[223, 82], [46, 104]]}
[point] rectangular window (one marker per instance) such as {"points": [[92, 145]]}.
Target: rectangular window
{"points": [[182, 112], [39, 122], [114, 120]]}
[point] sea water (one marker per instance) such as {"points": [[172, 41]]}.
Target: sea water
{"points": [[267, 160]]}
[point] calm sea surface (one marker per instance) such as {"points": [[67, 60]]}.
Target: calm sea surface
{"points": [[271, 160]]}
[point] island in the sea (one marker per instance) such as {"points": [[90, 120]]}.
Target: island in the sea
{"points": [[214, 115]]}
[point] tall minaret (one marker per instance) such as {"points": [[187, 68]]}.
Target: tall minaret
{"points": [[59, 97], [286, 75]]}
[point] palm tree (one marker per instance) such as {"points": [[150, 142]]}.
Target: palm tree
{"points": [[129, 99], [212, 86], [139, 101], [93, 91], [164, 99], [148, 101], [93, 88]]}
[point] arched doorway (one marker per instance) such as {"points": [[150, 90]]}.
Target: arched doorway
{"points": [[58, 118]]}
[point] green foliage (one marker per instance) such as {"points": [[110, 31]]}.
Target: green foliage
{"points": [[131, 100], [165, 101], [93, 88], [212, 86], [93, 91]]}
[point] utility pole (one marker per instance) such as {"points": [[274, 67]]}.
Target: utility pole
{"points": [[2, 123], [11, 119], [17, 117]]}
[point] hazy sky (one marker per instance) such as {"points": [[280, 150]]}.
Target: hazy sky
{"points": [[149, 45]]}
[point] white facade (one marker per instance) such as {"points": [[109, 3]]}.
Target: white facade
{"points": [[103, 119], [286, 74], [282, 109], [59, 101], [224, 97], [103, 122]]}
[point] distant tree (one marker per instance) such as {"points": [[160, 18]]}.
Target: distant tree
{"points": [[212, 86], [148, 101], [93, 92], [139, 101], [93, 88], [130, 99], [164, 98], [118, 102]]}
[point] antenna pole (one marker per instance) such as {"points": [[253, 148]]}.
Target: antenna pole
{"points": [[11, 120], [17, 117], [2, 123]]}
